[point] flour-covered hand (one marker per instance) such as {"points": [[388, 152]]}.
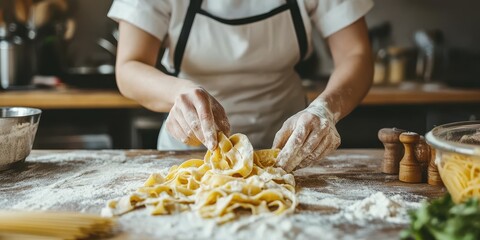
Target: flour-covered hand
{"points": [[196, 117], [306, 137]]}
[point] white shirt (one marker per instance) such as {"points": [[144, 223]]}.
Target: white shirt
{"points": [[248, 68], [159, 17]]}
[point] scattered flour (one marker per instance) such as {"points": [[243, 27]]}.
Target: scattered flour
{"points": [[189, 226], [302, 225], [76, 181], [376, 207], [379, 207], [82, 181]]}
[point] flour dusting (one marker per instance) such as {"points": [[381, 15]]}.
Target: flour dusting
{"points": [[375, 207], [301, 225], [380, 207], [77, 181], [84, 181]]}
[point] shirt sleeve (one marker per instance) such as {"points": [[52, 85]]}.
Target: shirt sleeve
{"points": [[152, 16], [330, 16]]}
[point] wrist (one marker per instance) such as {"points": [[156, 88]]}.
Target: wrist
{"points": [[320, 108], [184, 86]]}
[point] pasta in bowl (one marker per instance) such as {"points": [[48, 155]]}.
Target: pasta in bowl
{"points": [[457, 155]]}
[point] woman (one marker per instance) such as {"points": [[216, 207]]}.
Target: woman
{"points": [[232, 65]]}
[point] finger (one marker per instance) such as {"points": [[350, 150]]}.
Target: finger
{"points": [[306, 154], [288, 158], [189, 119], [282, 135], [191, 138], [327, 146], [175, 129], [185, 109], [206, 119], [221, 119], [313, 154], [207, 124], [307, 151]]}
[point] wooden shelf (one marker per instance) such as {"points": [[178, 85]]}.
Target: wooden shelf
{"points": [[98, 99], [410, 94], [67, 99]]}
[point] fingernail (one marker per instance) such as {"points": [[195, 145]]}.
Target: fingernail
{"points": [[211, 145], [280, 159]]}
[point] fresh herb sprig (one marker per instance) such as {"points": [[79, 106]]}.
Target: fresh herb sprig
{"points": [[442, 219]]}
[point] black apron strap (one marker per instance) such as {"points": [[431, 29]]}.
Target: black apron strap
{"points": [[193, 8], [299, 27]]}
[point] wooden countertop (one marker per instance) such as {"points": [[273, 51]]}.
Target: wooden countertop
{"points": [[406, 94], [85, 180]]}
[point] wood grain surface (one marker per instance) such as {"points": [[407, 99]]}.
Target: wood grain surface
{"points": [[346, 174], [81, 98], [67, 99]]}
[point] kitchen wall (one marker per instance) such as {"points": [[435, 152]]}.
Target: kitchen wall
{"points": [[92, 24], [458, 20]]}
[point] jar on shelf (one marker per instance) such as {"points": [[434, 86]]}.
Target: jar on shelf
{"points": [[396, 65], [380, 67]]}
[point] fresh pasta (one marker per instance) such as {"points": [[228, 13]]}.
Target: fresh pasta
{"points": [[234, 177], [461, 175]]}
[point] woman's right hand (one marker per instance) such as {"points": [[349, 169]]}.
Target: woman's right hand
{"points": [[196, 117]]}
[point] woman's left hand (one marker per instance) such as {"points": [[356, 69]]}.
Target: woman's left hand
{"points": [[306, 137]]}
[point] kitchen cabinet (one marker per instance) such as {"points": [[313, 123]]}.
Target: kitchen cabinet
{"points": [[413, 107], [128, 125], [360, 128]]}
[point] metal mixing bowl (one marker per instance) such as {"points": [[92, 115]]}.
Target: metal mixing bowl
{"points": [[457, 155], [18, 126]]}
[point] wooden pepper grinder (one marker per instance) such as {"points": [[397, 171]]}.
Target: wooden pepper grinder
{"points": [[410, 168], [433, 175], [422, 153], [393, 149]]}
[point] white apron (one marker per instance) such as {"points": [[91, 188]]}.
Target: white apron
{"points": [[259, 90]]}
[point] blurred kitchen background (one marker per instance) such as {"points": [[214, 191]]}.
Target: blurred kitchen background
{"points": [[53, 45]]}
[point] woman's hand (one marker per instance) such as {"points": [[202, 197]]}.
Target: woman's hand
{"points": [[306, 137], [196, 117]]}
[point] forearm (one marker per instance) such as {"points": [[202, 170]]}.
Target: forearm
{"points": [[353, 72], [137, 78], [348, 84], [149, 86]]}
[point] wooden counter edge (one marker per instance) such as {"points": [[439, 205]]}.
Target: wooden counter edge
{"points": [[68, 99], [103, 99], [378, 96]]}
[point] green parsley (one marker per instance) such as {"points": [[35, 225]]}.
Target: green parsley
{"points": [[442, 219]]}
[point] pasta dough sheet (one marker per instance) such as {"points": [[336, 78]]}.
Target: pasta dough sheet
{"points": [[228, 180]]}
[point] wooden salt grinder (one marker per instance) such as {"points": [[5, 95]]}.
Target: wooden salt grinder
{"points": [[410, 168], [433, 175], [422, 153], [393, 149]]}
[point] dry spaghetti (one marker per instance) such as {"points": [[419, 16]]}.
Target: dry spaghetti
{"points": [[52, 225], [461, 175]]}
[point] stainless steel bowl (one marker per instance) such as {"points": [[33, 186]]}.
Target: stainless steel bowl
{"points": [[18, 126]]}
